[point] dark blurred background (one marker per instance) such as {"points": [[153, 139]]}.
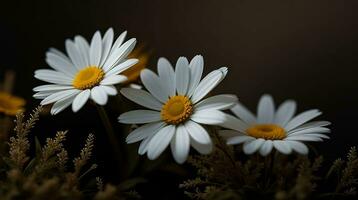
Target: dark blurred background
{"points": [[300, 49]]}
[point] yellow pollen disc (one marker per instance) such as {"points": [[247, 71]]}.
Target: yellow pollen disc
{"points": [[267, 131], [177, 110], [88, 77]]}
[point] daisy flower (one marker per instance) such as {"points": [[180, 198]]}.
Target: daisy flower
{"points": [[280, 130], [176, 108], [89, 71], [10, 105]]}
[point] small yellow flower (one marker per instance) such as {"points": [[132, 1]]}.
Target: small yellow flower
{"points": [[10, 105], [133, 73]]}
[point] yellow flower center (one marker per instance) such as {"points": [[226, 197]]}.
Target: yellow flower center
{"points": [[10, 105], [177, 110], [267, 131], [88, 77]]}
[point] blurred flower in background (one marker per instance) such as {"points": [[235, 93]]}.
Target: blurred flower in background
{"points": [[10, 105], [133, 73], [279, 129]]}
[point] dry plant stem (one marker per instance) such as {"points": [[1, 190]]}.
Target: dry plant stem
{"points": [[221, 146], [116, 147]]}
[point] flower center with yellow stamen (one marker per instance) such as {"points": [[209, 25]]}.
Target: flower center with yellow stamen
{"points": [[267, 131], [177, 110], [88, 77]]}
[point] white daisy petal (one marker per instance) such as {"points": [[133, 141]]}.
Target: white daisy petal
{"points": [[202, 148], [83, 48], [80, 100], [208, 83], [74, 54], [143, 147], [142, 98], [99, 95], [197, 132], [119, 54], [282, 146], [239, 139], [167, 76], [243, 113], [153, 85], [119, 41], [182, 75], [144, 132], [114, 79], [213, 117], [109, 89], [52, 76], [58, 96], [266, 148], [218, 102], [234, 123], [61, 105], [265, 110], [51, 87], [60, 64], [160, 141], [122, 67], [96, 49], [196, 67], [58, 53], [311, 125], [302, 118], [285, 112], [180, 144], [139, 117], [106, 44], [304, 138], [318, 135], [299, 147], [310, 130], [44, 94], [251, 147]]}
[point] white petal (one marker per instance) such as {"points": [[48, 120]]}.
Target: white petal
{"points": [[99, 95], [80, 100], [208, 83], [143, 147], [52, 76], [144, 132], [318, 135], [234, 123], [167, 76], [265, 110], [61, 105], [83, 48], [239, 139], [285, 112], [160, 141], [114, 79], [75, 55], [180, 145], [142, 98], [152, 82], [109, 89], [118, 41], [122, 67], [302, 118], [218, 102], [106, 44], [60, 63], [310, 130], [266, 148], [44, 94], [52, 87], [311, 125], [58, 96], [96, 49], [243, 113], [209, 117], [251, 147], [119, 54], [282, 146], [201, 148], [182, 75], [197, 132], [139, 117], [196, 67], [299, 147], [304, 138]]}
